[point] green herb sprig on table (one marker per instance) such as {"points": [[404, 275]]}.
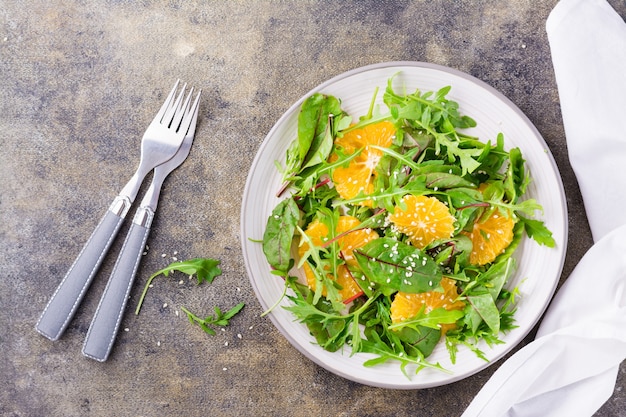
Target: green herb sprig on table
{"points": [[205, 270], [220, 319]]}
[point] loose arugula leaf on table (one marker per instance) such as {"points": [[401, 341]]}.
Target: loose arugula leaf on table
{"points": [[205, 269], [220, 319]]}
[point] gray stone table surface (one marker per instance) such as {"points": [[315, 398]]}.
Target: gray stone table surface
{"points": [[79, 83]]}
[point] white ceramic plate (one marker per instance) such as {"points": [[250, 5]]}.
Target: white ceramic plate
{"points": [[539, 267]]}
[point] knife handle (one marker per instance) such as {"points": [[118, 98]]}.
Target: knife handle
{"points": [[67, 297], [106, 321]]}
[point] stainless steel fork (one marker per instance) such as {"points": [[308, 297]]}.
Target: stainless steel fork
{"points": [[106, 321], [160, 143]]}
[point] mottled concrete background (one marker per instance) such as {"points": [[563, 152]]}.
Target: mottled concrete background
{"points": [[79, 83]]}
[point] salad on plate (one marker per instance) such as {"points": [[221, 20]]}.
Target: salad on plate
{"points": [[397, 230]]}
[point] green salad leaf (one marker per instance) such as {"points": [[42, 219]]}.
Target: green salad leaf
{"points": [[220, 318], [205, 270]]}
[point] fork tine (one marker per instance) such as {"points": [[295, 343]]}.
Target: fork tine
{"points": [[173, 108], [181, 111], [167, 103], [191, 116]]}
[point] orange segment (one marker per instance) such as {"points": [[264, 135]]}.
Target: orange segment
{"points": [[349, 288], [359, 175], [347, 241], [354, 239], [405, 305], [490, 237], [424, 220]]}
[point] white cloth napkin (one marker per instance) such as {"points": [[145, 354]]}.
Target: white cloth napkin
{"points": [[571, 367]]}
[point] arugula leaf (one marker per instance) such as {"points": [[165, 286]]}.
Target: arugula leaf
{"points": [[220, 318], [205, 269], [385, 352], [536, 230], [331, 329], [440, 118]]}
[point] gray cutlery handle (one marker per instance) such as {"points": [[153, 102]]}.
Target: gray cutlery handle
{"points": [[108, 317], [68, 295]]}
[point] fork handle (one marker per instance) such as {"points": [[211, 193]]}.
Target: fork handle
{"points": [[108, 317], [67, 297]]}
